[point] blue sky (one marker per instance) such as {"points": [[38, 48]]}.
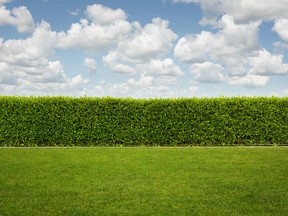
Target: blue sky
{"points": [[151, 48]]}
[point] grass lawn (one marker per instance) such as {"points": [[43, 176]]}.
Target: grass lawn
{"points": [[144, 181]]}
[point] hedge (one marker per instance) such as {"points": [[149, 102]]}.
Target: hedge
{"points": [[89, 121]]}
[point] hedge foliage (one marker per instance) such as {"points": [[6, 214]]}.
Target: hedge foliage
{"points": [[49, 121]]}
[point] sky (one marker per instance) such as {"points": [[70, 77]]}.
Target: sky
{"points": [[144, 48]]}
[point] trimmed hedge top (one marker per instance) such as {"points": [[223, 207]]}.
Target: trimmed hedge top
{"points": [[49, 121]]}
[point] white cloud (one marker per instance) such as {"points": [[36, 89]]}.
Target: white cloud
{"points": [[76, 81], [207, 72], [141, 48], [229, 47], [74, 13], [118, 88], [32, 50], [231, 41], [109, 29], [142, 52], [49, 72], [167, 81], [90, 64], [149, 42], [267, 64], [235, 47], [2, 2], [47, 78], [185, 1], [194, 89], [103, 88], [143, 85], [69, 86], [19, 17], [26, 69], [102, 15], [158, 67], [152, 78], [6, 76], [236, 50], [193, 48], [91, 36], [144, 81], [123, 68], [241, 10], [106, 28], [149, 86], [250, 81], [251, 10], [281, 27], [113, 62]]}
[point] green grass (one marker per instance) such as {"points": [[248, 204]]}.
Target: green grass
{"points": [[144, 181]]}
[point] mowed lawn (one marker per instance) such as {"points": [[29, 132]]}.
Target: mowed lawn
{"points": [[144, 181]]}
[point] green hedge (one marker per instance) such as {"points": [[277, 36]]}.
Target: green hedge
{"points": [[49, 121]]}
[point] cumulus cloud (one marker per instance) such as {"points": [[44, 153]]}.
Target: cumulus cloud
{"points": [[167, 80], [104, 88], [241, 10], [234, 49], [251, 10], [76, 81], [90, 64], [19, 17], [142, 85], [285, 91], [142, 52], [112, 60], [193, 89], [48, 77], [104, 30], [32, 50], [142, 47], [267, 64], [48, 72], [207, 72], [26, 69], [91, 36], [74, 12], [229, 47], [25, 64], [281, 28], [103, 15], [118, 88], [73, 86], [158, 67], [145, 81], [150, 86], [250, 81], [2, 2], [185, 1], [7, 76], [193, 48], [148, 42]]}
